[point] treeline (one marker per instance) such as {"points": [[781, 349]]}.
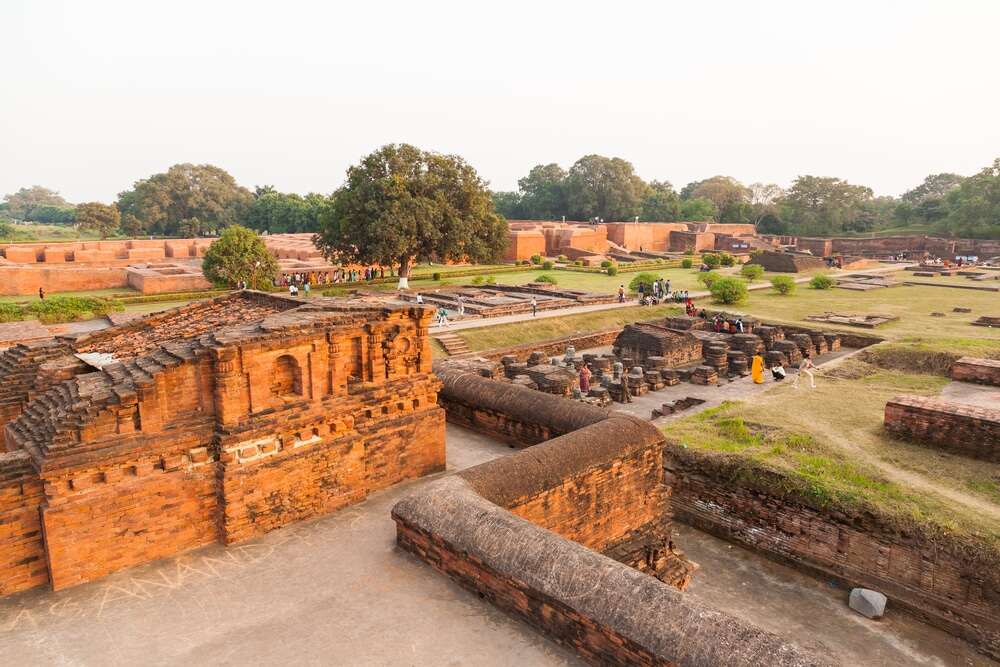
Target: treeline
{"points": [[600, 188], [198, 200]]}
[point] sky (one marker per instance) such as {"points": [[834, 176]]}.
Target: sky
{"points": [[96, 95]]}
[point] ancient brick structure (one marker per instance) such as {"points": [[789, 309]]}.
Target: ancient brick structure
{"points": [[944, 581], [982, 371], [955, 427], [564, 535], [225, 432], [786, 262], [648, 339]]}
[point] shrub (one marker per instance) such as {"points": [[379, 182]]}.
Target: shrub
{"points": [[612, 270], [491, 280], [578, 262], [689, 252], [708, 279], [546, 278], [606, 263], [548, 265], [752, 272], [536, 259], [436, 275], [72, 308], [644, 279], [821, 282], [686, 263], [783, 284], [712, 260], [729, 290], [726, 259], [478, 280], [10, 312], [562, 258]]}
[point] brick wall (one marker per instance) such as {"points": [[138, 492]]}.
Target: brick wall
{"points": [[982, 371], [937, 578], [22, 552], [954, 427]]}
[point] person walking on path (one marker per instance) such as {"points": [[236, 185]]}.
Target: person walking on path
{"points": [[306, 288], [584, 380], [442, 317], [621, 294], [806, 367], [420, 299], [534, 306], [461, 306], [757, 369]]}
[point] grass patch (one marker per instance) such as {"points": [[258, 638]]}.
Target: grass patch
{"points": [[59, 309]]}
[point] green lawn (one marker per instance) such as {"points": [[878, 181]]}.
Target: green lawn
{"points": [[36, 232], [106, 293]]}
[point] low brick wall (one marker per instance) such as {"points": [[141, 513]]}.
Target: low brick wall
{"points": [[22, 558], [946, 582], [972, 369], [954, 427], [554, 347]]}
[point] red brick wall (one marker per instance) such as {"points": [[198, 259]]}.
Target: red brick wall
{"points": [[954, 427], [22, 552], [971, 369], [939, 580]]}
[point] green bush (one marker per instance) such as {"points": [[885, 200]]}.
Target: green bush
{"points": [[606, 263], [689, 252], [726, 259], [578, 262], [644, 279], [686, 263], [612, 270], [752, 272], [708, 279], [536, 259], [729, 290], [491, 280], [548, 265], [712, 260], [546, 278], [783, 284], [821, 282], [562, 258], [436, 275], [72, 308], [10, 312], [478, 280]]}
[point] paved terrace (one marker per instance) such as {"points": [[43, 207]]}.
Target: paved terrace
{"points": [[336, 591]]}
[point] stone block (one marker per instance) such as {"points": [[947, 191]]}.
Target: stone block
{"points": [[868, 603]]}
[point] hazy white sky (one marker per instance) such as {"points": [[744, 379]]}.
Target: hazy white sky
{"points": [[96, 95]]}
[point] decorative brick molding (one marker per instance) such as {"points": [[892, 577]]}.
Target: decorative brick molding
{"points": [[947, 581], [954, 427], [560, 535], [972, 369]]}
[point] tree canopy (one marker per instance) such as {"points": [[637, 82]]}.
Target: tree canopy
{"points": [[97, 217], [402, 204], [973, 208], [282, 213], [187, 199], [239, 255], [26, 202]]}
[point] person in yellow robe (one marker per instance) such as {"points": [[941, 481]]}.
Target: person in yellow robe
{"points": [[757, 369]]}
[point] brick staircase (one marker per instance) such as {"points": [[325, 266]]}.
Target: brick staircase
{"points": [[452, 344]]}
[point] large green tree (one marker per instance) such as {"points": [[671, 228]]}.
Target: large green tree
{"points": [[543, 192], [239, 255], [280, 213], [604, 188], [974, 206], [187, 199], [97, 217], [935, 186], [660, 203], [731, 198], [824, 205], [510, 205], [27, 201], [402, 204]]}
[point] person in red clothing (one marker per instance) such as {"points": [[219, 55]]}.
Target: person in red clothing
{"points": [[584, 380]]}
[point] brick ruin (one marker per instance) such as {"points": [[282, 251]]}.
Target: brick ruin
{"points": [[213, 423], [573, 535], [968, 430]]}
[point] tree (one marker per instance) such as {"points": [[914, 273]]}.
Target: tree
{"points": [[605, 188], [974, 207], [279, 213], [54, 215], [935, 186], [187, 198], [752, 272], [24, 202], [97, 217], [823, 205], [238, 255], [646, 280], [543, 192], [764, 199], [402, 204], [132, 226], [660, 203], [6, 231], [729, 290], [510, 205], [783, 285], [731, 198], [698, 209]]}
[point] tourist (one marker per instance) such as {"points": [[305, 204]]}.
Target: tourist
{"points": [[626, 394], [461, 306], [41, 293], [534, 306], [642, 294], [666, 288], [291, 288], [806, 367], [739, 325], [584, 380], [621, 294], [757, 369], [420, 299], [442, 318], [717, 324], [656, 288], [778, 372], [306, 288]]}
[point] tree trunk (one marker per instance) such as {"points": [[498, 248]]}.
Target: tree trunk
{"points": [[404, 273]]}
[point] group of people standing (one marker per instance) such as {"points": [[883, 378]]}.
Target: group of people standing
{"points": [[333, 277]]}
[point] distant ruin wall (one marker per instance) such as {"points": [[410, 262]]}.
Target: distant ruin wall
{"points": [[982, 371], [953, 427], [784, 262], [939, 580], [25, 280], [553, 348]]}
